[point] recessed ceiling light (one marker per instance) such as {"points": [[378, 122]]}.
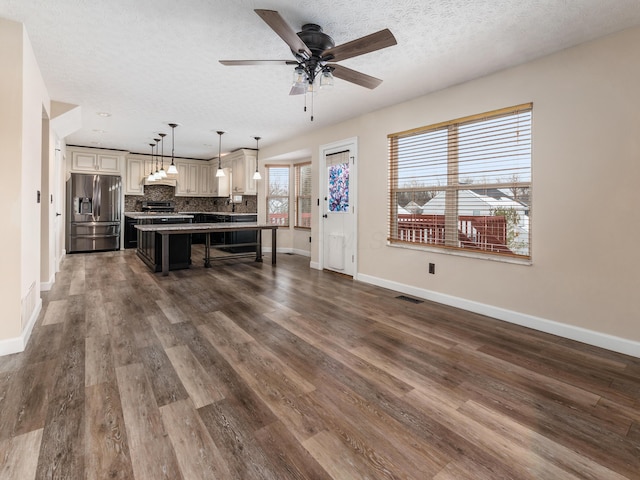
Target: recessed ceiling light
{"points": [[97, 130], [103, 114]]}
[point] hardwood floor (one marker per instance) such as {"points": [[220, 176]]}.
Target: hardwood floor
{"points": [[249, 371]]}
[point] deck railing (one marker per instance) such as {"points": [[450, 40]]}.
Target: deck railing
{"points": [[487, 233]]}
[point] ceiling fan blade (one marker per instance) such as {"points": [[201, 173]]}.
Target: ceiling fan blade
{"points": [[353, 76], [286, 33], [257, 62], [370, 43]]}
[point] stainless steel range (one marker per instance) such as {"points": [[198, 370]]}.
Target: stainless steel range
{"points": [[163, 206]]}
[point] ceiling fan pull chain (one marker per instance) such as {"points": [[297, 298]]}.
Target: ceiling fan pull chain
{"points": [[312, 106]]}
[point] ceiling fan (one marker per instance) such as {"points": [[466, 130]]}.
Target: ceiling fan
{"points": [[315, 53]]}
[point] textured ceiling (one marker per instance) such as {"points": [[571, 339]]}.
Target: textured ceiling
{"points": [[153, 62]]}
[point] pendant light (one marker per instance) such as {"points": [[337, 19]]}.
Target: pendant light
{"points": [[157, 173], [163, 174], [151, 177], [173, 170], [220, 172], [256, 175]]}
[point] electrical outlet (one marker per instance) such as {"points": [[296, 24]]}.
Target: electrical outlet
{"points": [[432, 268]]}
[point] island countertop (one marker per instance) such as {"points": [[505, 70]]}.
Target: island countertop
{"points": [[138, 215], [177, 228]]}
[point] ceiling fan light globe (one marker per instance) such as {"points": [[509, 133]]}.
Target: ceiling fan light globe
{"points": [[326, 80], [299, 76]]}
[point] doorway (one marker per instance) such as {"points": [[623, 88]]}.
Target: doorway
{"points": [[338, 222]]}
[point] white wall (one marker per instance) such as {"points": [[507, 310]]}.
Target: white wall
{"points": [[10, 193], [24, 100], [586, 162]]}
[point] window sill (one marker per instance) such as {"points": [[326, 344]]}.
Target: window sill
{"points": [[462, 253]]}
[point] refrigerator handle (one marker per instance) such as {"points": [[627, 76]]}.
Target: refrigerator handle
{"points": [[97, 193]]}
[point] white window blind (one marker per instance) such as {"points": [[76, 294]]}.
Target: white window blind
{"points": [[464, 184], [303, 195]]}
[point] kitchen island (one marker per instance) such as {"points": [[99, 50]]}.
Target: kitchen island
{"points": [[131, 219], [166, 231], [149, 246], [232, 240]]}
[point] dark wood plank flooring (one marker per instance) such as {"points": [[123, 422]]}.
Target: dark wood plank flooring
{"points": [[249, 371]]}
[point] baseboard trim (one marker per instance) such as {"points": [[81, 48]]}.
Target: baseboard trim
{"points": [[315, 265], [46, 286], [590, 337], [18, 344]]}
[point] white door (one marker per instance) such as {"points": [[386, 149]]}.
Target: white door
{"points": [[338, 207]]}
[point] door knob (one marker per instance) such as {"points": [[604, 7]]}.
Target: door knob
{"points": [[325, 215], [58, 214]]}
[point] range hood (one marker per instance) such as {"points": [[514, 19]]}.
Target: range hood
{"points": [[170, 182]]}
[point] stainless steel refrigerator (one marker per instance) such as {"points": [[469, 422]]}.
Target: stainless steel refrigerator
{"points": [[94, 205]]}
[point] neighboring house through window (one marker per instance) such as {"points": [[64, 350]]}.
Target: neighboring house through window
{"points": [[464, 184], [277, 194]]}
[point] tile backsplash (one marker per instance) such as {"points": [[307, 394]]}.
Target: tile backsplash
{"points": [[133, 203]]}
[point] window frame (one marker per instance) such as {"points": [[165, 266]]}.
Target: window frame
{"points": [[448, 238], [269, 197], [297, 187]]}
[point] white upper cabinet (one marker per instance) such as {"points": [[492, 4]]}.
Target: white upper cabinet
{"points": [[195, 179], [92, 161], [206, 183], [223, 184], [243, 165], [136, 172]]}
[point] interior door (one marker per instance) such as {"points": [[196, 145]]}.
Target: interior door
{"points": [[58, 202], [338, 215]]}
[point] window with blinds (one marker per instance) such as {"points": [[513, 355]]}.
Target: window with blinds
{"points": [[303, 195], [277, 194], [464, 184]]}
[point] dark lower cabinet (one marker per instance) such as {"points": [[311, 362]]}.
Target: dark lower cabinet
{"points": [[239, 238], [233, 238], [198, 237], [130, 232], [150, 246]]}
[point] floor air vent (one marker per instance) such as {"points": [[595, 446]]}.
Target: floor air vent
{"points": [[409, 299]]}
